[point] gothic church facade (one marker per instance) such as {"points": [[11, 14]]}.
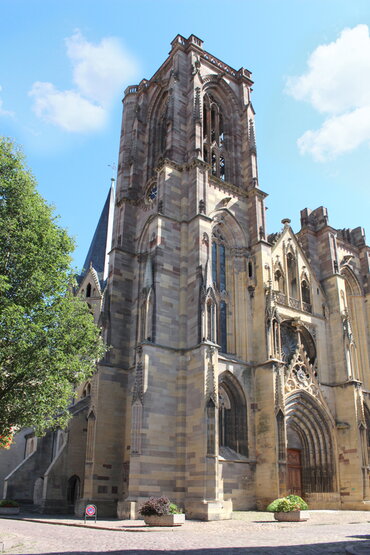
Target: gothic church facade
{"points": [[239, 367]]}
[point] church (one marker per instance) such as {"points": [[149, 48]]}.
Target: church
{"points": [[239, 367]]}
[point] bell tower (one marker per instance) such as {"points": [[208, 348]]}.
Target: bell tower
{"points": [[189, 222]]}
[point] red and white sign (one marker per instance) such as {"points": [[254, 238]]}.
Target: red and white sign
{"points": [[90, 510]]}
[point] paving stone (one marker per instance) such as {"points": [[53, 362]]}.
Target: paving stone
{"points": [[249, 533]]}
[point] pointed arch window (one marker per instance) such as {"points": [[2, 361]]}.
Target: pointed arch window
{"points": [[232, 417], [162, 134], [213, 136], [88, 290], [86, 390], [222, 327], [159, 123], [306, 295], [219, 265], [219, 283], [353, 319], [292, 276]]}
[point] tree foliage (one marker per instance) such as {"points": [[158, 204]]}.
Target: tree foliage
{"points": [[48, 339]]}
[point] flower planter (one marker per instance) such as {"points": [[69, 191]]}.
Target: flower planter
{"points": [[9, 510], [164, 520], [292, 516]]}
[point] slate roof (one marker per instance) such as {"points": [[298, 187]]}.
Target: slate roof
{"points": [[96, 256]]}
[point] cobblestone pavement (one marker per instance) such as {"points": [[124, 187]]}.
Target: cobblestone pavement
{"points": [[334, 532]]}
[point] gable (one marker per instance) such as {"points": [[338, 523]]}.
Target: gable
{"points": [[293, 276], [90, 282]]}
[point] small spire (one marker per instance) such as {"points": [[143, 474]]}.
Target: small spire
{"points": [[252, 137], [113, 178]]}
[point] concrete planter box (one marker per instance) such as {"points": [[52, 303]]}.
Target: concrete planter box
{"points": [[292, 516], [9, 510], [164, 520]]}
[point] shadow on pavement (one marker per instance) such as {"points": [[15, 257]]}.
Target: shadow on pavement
{"points": [[333, 548]]}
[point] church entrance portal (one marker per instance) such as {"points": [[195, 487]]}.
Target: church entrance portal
{"points": [[310, 451]]}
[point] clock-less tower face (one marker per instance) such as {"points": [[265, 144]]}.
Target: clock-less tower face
{"points": [[289, 342]]}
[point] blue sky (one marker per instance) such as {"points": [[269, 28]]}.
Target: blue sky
{"points": [[65, 65]]}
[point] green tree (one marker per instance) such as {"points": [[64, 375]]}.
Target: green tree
{"points": [[48, 339]]}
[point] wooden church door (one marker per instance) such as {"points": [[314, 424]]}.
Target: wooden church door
{"points": [[294, 472]]}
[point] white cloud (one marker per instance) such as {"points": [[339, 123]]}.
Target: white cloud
{"points": [[2, 111], [99, 73], [337, 83], [337, 135], [66, 109], [99, 70]]}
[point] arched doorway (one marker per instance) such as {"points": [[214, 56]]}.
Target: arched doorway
{"points": [[73, 491], [310, 450]]}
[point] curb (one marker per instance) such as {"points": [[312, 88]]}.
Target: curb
{"points": [[144, 528]]}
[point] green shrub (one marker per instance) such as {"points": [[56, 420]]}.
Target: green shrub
{"points": [[287, 504], [159, 506], [298, 501], [8, 503], [174, 509]]}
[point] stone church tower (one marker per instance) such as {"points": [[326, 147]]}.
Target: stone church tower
{"points": [[188, 241], [239, 366]]}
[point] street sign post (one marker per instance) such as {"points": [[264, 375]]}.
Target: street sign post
{"points": [[91, 512]]}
